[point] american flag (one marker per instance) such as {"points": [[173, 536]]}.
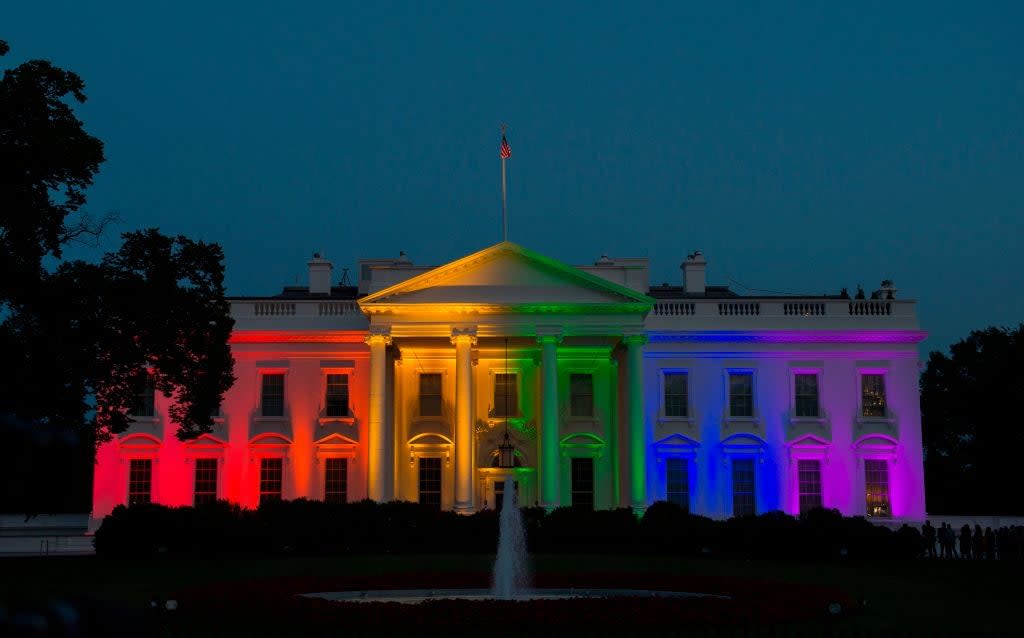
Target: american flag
{"points": [[506, 150]]}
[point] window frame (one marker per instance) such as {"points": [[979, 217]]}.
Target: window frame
{"points": [[887, 464], [150, 495], [886, 409], [754, 462], [687, 467], [440, 479], [572, 483], [663, 404], [515, 406], [569, 389], [347, 411], [816, 372], [800, 484], [263, 373], [345, 480], [217, 461], [148, 390], [729, 372], [259, 478], [440, 394]]}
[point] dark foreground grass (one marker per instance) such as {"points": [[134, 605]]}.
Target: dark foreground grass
{"points": [[920, 597]]}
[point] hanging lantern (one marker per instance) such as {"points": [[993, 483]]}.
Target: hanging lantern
{"points": [[506, 452]]}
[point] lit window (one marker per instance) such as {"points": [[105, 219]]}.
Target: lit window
{"points": [[872, 395], [144, 402], [140, 481], [430, 394], [583, 483], [506, 395], [336, 401], [806, 395], [271, 474], [581, 395], [677, 400], [272, 396], [677, 482], [206, 481], [876, 486], [741, 394], [809, 479], [430, 482], [743, 487], [336, 480]]}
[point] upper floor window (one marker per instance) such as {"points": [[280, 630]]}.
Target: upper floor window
{"points": [[336, 401], [806, 400], [140, 481], [677, 400], [430, 394], [872, 395], [506, 394], [144, 401], [581, 395], [741, 394], [272, 395]]}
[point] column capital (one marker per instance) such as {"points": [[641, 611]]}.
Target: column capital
{"points": [[548, 334], [634, 339], [464, 335], [379, 334]]}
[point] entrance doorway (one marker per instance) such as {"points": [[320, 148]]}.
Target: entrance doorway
{"points": [[499, 493]]}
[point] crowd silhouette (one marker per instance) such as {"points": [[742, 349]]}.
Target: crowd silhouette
{"points": [[1003, 543]]}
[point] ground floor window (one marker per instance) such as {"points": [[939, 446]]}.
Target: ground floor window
{"points": [[499, 493], [336, 480], [583, 483], [876, 487], [205, 481], [743, 487], [809, 479], [140, 481], [430, 482], [677, 482], [271, 475]]}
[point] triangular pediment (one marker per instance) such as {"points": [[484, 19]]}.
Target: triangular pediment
{"points": [[507, 275]]}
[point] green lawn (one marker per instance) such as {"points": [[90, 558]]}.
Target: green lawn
{"points": [[921, 596]]}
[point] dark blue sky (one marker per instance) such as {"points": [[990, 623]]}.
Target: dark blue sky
{"points": [[802, 147]]}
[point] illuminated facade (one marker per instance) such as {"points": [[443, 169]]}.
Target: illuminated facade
{"points": [[614, 393]]}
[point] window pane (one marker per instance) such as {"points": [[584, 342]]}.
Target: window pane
{"points": [[430, 482], [506, 395], [270, 479], [205, 481], [430, 395], [676, 394], [336, 401], [876, 484], [583, 483], [581, 395], [272, 397], [741, 394], [144, 404], [872, 395], [677, 482], [336, 480], [743, 487], [809, 479], [140, 481], [807, 395]]}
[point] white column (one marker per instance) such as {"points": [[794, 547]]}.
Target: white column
{"points": [[463, 339], [637, 435], [549, 453], [378, 457]]}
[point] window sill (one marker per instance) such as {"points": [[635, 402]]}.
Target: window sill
{"points": [[271, 419], [819, 420], [346, 420], [143, 420], [875, 420], [687, 420]]}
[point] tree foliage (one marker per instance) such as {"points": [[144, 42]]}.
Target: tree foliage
{"points": [[971, 426]]}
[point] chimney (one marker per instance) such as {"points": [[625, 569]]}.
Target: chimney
{"points": [[693, 273], [319, 275]]}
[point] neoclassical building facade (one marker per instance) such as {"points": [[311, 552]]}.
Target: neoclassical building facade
{"points": [[612, 393]]}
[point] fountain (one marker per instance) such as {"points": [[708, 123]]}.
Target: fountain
{"points": [[511, 571]]}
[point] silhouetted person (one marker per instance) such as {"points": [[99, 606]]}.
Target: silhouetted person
{"points": [[947, 542], [965, 541], [977, 542], [929, 539], [990, 544]]}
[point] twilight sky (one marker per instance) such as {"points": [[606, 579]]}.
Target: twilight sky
{"points": [[803, 147]]}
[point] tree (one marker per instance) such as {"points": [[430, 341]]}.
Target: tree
{"points": [[971, 425]]}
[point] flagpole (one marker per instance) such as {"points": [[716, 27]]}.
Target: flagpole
{"points": [[504, 194]]}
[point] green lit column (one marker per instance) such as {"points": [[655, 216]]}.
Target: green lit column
{"points": [[637, 436], [549, 457]]}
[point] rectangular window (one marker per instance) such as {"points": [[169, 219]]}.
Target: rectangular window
{"points": [[430, 482], [677, 482], [336, 480], [583, 483], [581, 395], [205, 482], [743, 503], [336, 401], [876, 486], [806, 399], [430, 394], [506, 394], [499, 493], [872, 395], [272, 395], [809, 479], [741, 394], [677, 400], [271, 474], [144, 403], [140, 481]]}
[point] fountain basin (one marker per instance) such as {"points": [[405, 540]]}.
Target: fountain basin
{"points": [[416, 596]]}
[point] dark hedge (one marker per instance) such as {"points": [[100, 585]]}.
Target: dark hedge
{"points": [[304, 527]]}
